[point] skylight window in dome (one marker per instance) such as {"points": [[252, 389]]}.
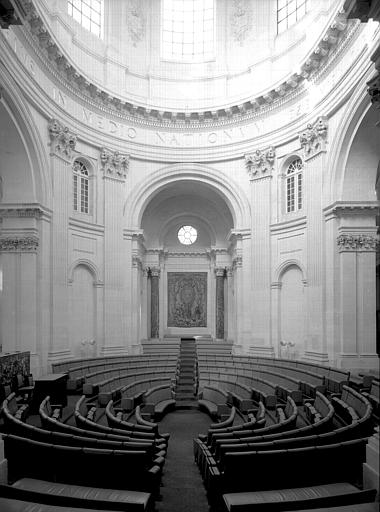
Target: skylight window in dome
{"points": [[188, 30], [289, 12], [89, 13]]}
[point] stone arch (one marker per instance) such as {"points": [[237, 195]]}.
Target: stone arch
{"points": [[89, 265], [284, 266], [234, 197], [358, 107], [33, 143]]}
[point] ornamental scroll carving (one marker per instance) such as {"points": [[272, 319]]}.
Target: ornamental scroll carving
{"points": [[114, 164], [19, 244], [357, 242], [313, 138], [62, 140], [135, 21], [241, 20], [260, 162]]}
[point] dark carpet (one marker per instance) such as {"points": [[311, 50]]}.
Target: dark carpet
{"points": [[183, 489]]}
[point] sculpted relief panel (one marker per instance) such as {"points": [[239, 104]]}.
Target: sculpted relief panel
{"points": [[187, 299]]}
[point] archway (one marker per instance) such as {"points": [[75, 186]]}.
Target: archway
{"points": [[188, 289]]}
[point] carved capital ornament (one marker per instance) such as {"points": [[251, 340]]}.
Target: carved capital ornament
{"points": [[313, 139], [260, 163], [114, 164], [357, 242], [19, 244], [62, 139]]}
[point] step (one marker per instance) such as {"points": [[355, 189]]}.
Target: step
{"points": [[185, 382], [184, 389], [187, 404], [184, 396]]}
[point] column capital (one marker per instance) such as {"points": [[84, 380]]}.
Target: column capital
{"points": [[260, 163], [314, 137], [113, 164], [19, 244], [63, 141], [155, 271], [219, 271], [357, 242]]}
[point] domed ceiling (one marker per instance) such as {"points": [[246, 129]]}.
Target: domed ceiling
{"points": [[158, 59]]}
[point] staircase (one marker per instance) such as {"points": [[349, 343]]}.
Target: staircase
{"points": [[187, 376]]}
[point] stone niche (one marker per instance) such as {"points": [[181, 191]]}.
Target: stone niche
{"points": [[187, 299]]}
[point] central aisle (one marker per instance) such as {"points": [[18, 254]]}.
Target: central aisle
{"points": [[183, 489]]}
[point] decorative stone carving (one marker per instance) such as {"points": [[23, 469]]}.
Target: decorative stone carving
{"points": [[155, 271], [136, 261], [7, 15], [260, 162], [35, 213], [19, 244], [114, 164], [374, 90], [63, 141], [237, 262], [357, 242], [313, 139], [241, 20], [135, 21]]}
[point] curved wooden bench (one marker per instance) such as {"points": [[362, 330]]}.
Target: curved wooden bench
{"points": [[329, 495], [227, 422], [158, 401], [61, 495], [213, 400]]}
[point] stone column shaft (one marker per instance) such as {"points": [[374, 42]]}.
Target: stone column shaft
{"points": [[155, 301], [219, 317]]}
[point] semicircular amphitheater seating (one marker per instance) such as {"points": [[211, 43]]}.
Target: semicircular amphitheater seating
{"points": [[243, 465], [269, 417]]}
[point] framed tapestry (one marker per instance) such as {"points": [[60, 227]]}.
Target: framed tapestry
{"points": [[187, 299]]}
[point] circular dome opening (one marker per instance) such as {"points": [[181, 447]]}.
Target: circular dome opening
{"points": [[187, 235]]}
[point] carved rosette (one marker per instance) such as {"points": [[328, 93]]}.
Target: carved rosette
{"points": [[114, 164], [237, 262], [62, 140], [357, 242], [313, 139], [260, 163], [19, 244]]}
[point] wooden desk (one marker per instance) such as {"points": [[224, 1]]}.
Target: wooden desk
{"points": [[52, 384]]}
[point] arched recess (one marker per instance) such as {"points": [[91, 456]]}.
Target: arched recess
{"points": [[292, 308], [33, 145], [233, 196], [91, 267], [358, 135], [83, 312]]}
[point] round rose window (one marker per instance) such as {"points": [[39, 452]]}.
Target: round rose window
{"points": [[187, 235]]}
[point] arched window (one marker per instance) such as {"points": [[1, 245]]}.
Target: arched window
{"points": [[289, 12], [188, 30], [80, 187], [89, 13], [294, 186]]}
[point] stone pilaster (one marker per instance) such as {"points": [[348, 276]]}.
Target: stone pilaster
{"points": [[114, 168], [260, 171], [155, 302], [357, 261], [219, 303], [230, 307], [62, 145], [313, 140]]}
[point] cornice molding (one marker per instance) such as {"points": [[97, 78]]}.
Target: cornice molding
{"points": [[60, 66]]}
